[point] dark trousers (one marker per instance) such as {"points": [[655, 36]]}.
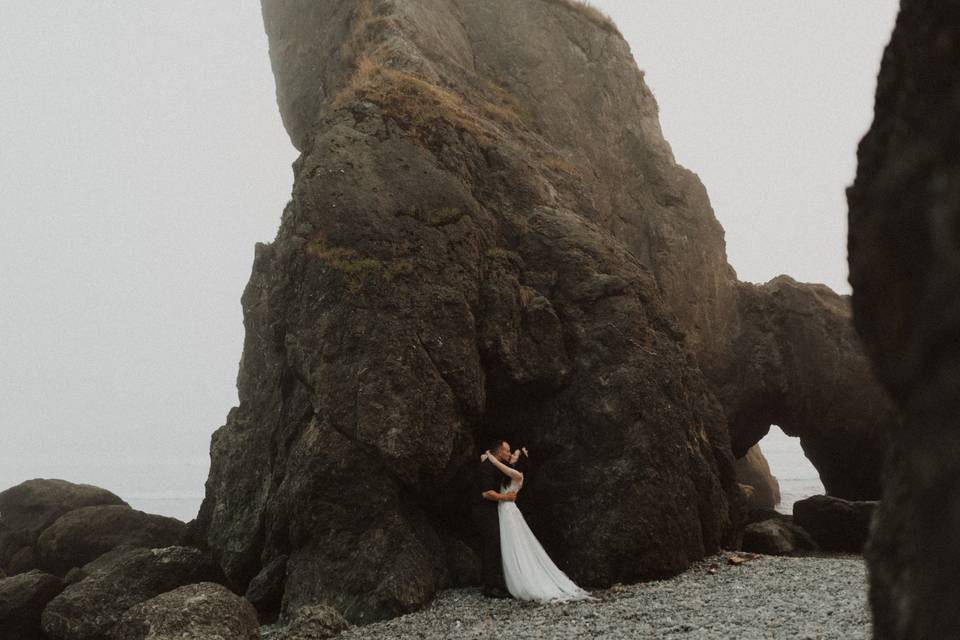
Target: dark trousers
{"points": [[487, 520]]}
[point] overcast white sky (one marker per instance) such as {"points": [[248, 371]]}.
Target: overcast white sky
{"points": [[142, 156]]}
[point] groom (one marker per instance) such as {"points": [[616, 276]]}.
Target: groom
{"points": [[486, 517]]}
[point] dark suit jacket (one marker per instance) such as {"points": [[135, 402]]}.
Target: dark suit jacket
{"points": [[488, 478]]}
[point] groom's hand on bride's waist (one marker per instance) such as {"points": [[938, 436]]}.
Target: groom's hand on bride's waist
{"points": [[510, 496]]}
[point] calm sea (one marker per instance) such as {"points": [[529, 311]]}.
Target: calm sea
{"points": [[167, 487], [175, 487], [797, 476]]}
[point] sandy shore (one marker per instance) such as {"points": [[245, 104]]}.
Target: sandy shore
{"points": [[769, 597]]}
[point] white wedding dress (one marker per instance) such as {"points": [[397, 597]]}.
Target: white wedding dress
{"points": [[527, 569]]}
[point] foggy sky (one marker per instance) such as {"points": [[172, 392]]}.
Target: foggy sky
{"points": [[142, 156]]}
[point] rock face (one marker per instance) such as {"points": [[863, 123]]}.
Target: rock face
{"points": [[488, 236], [32, 506], [202, 611], [117, 581], [904, 251], [795, 361], [753, 470], [22, 599], [265, 591]]}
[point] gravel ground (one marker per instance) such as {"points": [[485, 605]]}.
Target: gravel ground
{"points": [[769, 597]]}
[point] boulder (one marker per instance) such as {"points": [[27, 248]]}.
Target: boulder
{"points": [[776, 537], [23, 560], [88, 609], [202, 611], [904, 255], [32, 506], [753, 470], [84, 534], [835, 524], [315, 622], [22, 599]]}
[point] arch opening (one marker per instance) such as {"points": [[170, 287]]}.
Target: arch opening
{"points": [[795, 474]]}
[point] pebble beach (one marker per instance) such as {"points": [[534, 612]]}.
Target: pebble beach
{"points": [[808, 598]]}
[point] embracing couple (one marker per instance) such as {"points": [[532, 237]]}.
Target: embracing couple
{"points": [[512, 555]]}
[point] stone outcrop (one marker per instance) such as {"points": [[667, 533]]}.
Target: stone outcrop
{"points": [[443, 275], [795, 361], [489, 236], [753, 470], [202, 611], [904, 252]]}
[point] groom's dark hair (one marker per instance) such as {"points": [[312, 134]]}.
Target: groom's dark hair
{"points": [[495, 444]]}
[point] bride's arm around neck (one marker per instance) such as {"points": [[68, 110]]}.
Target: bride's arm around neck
{"points": [[513, 473]]}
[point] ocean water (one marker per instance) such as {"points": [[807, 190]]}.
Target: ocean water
{"points": [[174, 487], [163, 486], [797, 476]]}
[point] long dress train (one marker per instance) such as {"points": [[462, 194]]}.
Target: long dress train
{"points": [[529, 572]]}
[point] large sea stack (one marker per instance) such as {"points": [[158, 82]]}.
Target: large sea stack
{"points": [[904, 249], [489, 236]]}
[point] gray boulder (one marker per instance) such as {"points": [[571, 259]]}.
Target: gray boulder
{"points": [[776, 537], [85, 534], [22, 599], [202, 611], [88, 609], [32, 506], [315, 622]]}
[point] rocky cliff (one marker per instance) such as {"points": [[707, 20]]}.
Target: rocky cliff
{"points": [[489, 236], [904, 250]]}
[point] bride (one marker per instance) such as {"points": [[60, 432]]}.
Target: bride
{"points": [[529, 572]]}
